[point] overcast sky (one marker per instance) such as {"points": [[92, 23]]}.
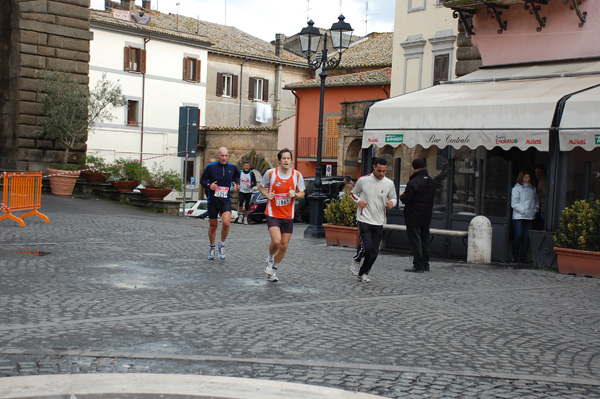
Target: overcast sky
{"points": [[265, 18]]}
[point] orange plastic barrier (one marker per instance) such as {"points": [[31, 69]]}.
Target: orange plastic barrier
{"points": [[22, 191]]}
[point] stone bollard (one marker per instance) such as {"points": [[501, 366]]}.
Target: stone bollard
{"points": [[480, 241]]}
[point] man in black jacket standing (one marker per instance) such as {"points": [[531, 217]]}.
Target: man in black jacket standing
{"points": [[418, 205]]}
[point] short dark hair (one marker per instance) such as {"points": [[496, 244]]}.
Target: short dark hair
{"points": [[347, 177], [246, 162], [379, 161], [280, 153]]}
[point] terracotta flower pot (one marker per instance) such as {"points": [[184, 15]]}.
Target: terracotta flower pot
{"points": [[64, 182], [95, 177], [578, 262], [342, 236], [125, 186], [155, 194]]}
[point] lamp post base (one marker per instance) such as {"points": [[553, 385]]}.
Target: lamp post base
{"points": [[314, 231], [315, 228]]}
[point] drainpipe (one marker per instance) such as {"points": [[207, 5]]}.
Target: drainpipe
{"points": [[387, 93], [277, 95], [146, 40], [241, 86], [296, 129]]}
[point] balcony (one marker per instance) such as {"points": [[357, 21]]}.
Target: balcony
{"points": [[307, 147]]}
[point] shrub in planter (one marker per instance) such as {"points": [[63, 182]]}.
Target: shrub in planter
{"points": [[163, 179], [342, 212], [578, 239], [342, 215], [580, 226], [159, 183]]}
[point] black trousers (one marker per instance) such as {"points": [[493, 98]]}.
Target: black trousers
{"points": [[418, 239], [370, 238]]}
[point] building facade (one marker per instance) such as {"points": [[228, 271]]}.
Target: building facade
{"points": [[36, 36], [533, 103]]}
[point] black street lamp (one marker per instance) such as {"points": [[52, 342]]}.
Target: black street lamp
{"points": [[341, 33]]}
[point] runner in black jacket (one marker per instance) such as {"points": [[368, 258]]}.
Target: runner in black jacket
{"points": [[418, 205]]}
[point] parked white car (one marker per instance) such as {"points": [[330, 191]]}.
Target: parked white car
{"points": [[199, 209]]}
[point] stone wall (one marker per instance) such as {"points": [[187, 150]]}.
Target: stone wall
{"points": [[36, 36], [240, 142], [468, 58], [350, 141]]}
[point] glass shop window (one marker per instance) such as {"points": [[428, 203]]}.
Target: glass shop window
{"points": [[466, 175], [583, 175]]}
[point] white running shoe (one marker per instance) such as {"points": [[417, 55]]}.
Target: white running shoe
{"points": [[355, 267], [246, 221], [221, 247], [365, 278], [211, 253], [269, 268], [273, 278]]}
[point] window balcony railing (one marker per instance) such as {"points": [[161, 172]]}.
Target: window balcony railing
{"points": [[307, 147]]}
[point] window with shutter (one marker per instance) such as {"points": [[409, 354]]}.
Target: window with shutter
{"points": [[441, 66], [191, 69], [219, 84], [234, 88], [332, 135], [251, 88], [265, 96], [132, 113], [134, 59]]}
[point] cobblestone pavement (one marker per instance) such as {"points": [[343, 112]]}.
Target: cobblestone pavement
{"points": [[110, 288]]}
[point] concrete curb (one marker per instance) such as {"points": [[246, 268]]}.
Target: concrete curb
{"points": [[139, 385]]}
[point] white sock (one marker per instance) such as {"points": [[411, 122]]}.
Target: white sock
{"points": [[271, 258]]}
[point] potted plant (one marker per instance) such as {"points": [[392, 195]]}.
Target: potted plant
{"points": [[70, 109], [93, 169], [127, 174], [578, 239], [159, 183], [341, 215]]}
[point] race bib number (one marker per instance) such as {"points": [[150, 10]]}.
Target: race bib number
{"points": [[282, 199], [221, 192], [246, 183]]}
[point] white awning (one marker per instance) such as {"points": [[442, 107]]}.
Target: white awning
{"points": [[580, 124], [501, 107]]}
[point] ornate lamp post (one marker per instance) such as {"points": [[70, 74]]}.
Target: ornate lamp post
{"points": [[341, 33]]}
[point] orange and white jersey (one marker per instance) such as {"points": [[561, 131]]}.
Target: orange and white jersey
{"points": [[282, 206]]}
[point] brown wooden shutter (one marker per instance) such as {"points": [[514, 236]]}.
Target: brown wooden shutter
{"points": [[127, 59], [143, 61], [234, 88], [265, 90], [251, 88], [219, 84], [186, 75], [198, 72]]}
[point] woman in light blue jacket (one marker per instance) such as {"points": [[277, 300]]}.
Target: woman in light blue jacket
{"points": [[525, 204]]}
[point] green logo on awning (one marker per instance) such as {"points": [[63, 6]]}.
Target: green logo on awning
{"points": [[394, 138], [598, 139]]}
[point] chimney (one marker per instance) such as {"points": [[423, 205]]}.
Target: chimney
{"points": [[279, 41], [128, 5], [147, 5]]}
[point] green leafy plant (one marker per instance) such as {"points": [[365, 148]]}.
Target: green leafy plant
{"points": [[580, 226], [164, 179], [70, 109], [91, 161], [129, 171], [342, 212]]}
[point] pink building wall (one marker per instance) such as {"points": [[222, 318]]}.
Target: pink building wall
{"points": [[561, 38]]}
